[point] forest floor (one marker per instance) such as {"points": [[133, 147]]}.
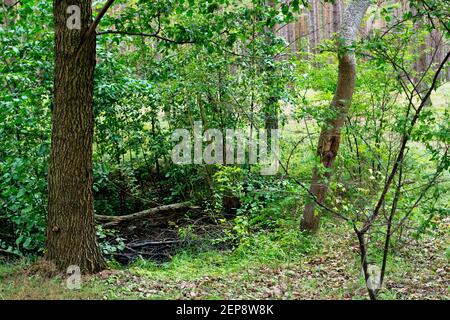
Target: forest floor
{"points": [[325, 267]]}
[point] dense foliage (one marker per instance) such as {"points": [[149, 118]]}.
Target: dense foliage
{"points": [[163, 65]]}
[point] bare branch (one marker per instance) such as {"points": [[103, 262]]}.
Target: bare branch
{"points": [[99, 17], [150, 35]]}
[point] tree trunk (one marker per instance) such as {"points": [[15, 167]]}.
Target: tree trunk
{"points": [[71, 238], [271, 108], [336, 15], [330, 135], [313, 25]]}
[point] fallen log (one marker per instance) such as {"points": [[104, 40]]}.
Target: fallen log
{"points": [[153, 243], [170, 208]]}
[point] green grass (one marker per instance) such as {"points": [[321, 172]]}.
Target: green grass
{"points": [[441, 97], [16, 283], [260, 249]]}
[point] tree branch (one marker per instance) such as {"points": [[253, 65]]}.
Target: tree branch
{"points": [[405, 139]]}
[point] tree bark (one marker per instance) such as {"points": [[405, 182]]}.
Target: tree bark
{"points": [[71, 238], [330, 135]]}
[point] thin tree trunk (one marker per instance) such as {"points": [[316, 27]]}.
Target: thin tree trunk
{"points": [[271, 109], [336, 15], [330, 135], [71, 238], [312, 19]]}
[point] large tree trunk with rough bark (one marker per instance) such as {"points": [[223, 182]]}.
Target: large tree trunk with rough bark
{"points": [[71, 238], [330, 135]]}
